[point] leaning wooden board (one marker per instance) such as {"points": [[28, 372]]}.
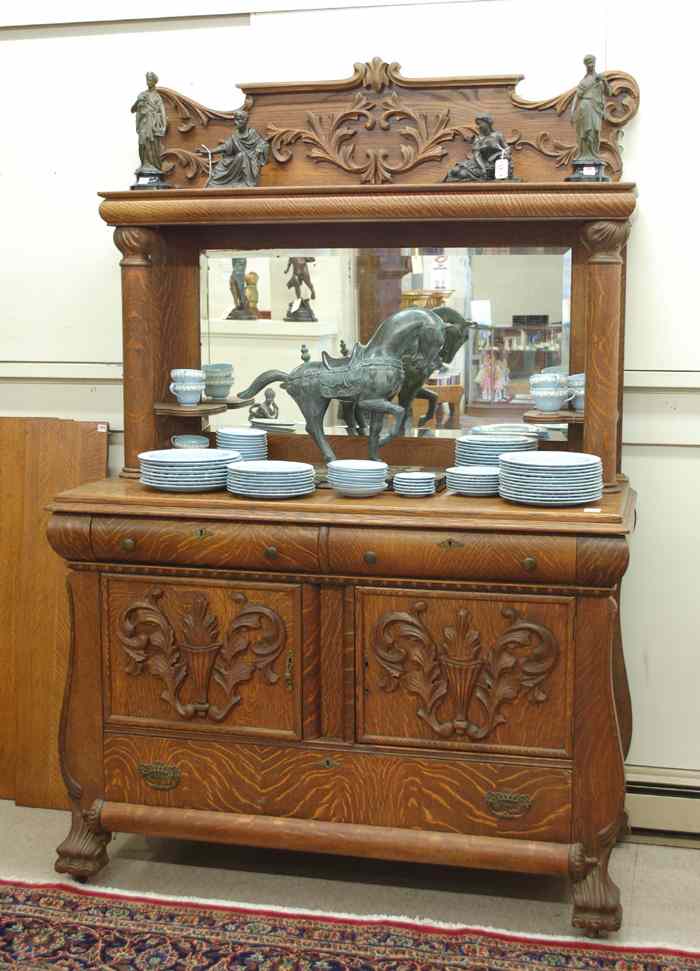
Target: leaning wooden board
{"points": [[39, 457]]}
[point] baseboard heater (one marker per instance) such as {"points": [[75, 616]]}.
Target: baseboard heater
{"points": [[666, 806]]}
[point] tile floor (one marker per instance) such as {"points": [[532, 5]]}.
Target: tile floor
{"points": [[660, 885]]}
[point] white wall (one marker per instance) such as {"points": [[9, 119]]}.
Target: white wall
{"points": [[69, 133]]}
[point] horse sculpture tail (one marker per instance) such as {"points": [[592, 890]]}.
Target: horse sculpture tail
{"points": [[262, 381]]}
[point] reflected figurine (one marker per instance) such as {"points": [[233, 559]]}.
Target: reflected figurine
{"points": [[151, 124], [252, 293], [587, 111], [239, 291], [300, 308], [243, 155], [488, 147], [267, 409]]}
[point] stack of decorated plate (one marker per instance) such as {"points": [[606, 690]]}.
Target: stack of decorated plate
{"points": [[414, 483], [250, 442], [187, 469], [551, 478], [357, 477], [486, 449], [511, 428], [473, 480], [270, 479]]}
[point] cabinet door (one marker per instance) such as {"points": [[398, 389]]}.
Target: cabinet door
{"points": [[470, 671], [198, 655]]}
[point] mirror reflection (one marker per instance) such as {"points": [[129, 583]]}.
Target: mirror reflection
{"points": [[266, 310]]}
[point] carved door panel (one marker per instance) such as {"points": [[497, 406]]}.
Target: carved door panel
{"points": [[470, 671], [203, 656]]}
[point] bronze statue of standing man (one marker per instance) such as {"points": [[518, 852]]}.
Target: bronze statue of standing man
{"points": [[587, 111], [151, 123]]}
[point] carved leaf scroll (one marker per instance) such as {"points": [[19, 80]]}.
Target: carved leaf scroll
{"points": [[254, 639], [456, 668]]}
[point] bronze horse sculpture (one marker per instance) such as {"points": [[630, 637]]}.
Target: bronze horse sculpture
{"points": [[364, 382]]}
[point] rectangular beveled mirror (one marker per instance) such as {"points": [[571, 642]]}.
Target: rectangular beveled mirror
{"points": [[272, 308]]}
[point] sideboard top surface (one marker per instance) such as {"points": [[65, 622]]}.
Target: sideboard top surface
{"points": [[114, 497]]}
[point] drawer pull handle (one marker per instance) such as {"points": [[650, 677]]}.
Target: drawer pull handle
{"points": [[289, 671], [507, 804], [530, 564], [128, 544], [370, 557], [201, 533], [270, 553], [451, 544], [329, 763], [159, 775]]}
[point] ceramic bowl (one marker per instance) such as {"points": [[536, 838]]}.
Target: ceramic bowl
{"points": [[187, 394], [218, 389], [186, 375], [548, 380], [189, 441], [551, 399], [578, 402]]}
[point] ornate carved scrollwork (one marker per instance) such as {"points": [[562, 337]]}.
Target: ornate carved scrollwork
{"points": [[253, 641], [333, 141], [191, 113], [622, 105], [457, 668], [605, 240]]}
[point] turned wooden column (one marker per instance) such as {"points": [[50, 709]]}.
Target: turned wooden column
{"points": [[141, 336], [604, 241]]}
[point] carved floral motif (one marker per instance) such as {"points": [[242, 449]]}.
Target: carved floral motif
{"points": [[253, 641], [457, 669]]}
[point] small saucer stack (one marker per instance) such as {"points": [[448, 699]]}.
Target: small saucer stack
{"points": [[414, 484], [473, 480], [250, 442], [358, 478]]}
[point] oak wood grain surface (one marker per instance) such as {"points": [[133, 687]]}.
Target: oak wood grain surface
{"points": [[341, 786], [40, 457]]}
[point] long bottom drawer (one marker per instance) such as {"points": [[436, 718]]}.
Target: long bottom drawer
{"points": [[413, 792]]}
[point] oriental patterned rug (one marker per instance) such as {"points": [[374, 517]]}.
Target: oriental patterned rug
{"points": [[51, 926]]}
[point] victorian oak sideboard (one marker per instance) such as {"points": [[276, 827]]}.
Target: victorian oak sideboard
{"points": [[433, 681]]}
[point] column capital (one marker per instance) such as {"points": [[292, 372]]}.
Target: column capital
{"points": [[137, 245], [605, 240]]}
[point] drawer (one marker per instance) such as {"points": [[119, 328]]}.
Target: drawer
{"points": [[236, 546], [448, 795], [453, 555]]}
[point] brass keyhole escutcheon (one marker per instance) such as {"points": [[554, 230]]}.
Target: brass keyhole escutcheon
{"points": [[289, 671], [201, 533], [128, 544], [530, 564], [451, 544], [270, 553], [329, 763], [370, 557]]}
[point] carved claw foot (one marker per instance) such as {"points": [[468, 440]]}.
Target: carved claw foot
{"points": [[625, 828], [83, 852], [597, 907]]}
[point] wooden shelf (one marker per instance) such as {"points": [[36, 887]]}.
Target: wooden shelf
{"points": [[201, 410], [542, 417]]}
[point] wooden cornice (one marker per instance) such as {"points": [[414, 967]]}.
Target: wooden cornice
{"points": [[347, 204]]}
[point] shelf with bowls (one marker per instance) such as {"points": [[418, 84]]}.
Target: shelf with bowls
{"points": [[204, 408], [560, 417]]}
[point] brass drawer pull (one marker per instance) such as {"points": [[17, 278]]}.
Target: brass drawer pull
{"points": [[127, 544], [201, 533], [451, 544], [270, 553], [329, 763], [370, 557], [159, 775], [530, 564], [508, 805]]}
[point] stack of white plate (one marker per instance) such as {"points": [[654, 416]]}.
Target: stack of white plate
{"points": [[511, 428], [270, 479], [187, 469], [551, 478], [414, 483], [250, 442], [486, 449], [357, 477], [473, 480]]}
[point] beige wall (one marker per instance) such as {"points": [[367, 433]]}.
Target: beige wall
{"points": [[70, 134]]}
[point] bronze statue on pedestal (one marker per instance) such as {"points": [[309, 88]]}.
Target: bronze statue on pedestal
{"points": [[243, 155], [587, 111], [151, 124]]}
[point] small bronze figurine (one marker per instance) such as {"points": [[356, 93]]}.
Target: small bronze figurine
{"points": [[488, 148], [151, 123], [344, 350], [299, 266], [239, 291], [251, 291], [268, 409], [305, 354], [243, 155], [587, 110]]}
